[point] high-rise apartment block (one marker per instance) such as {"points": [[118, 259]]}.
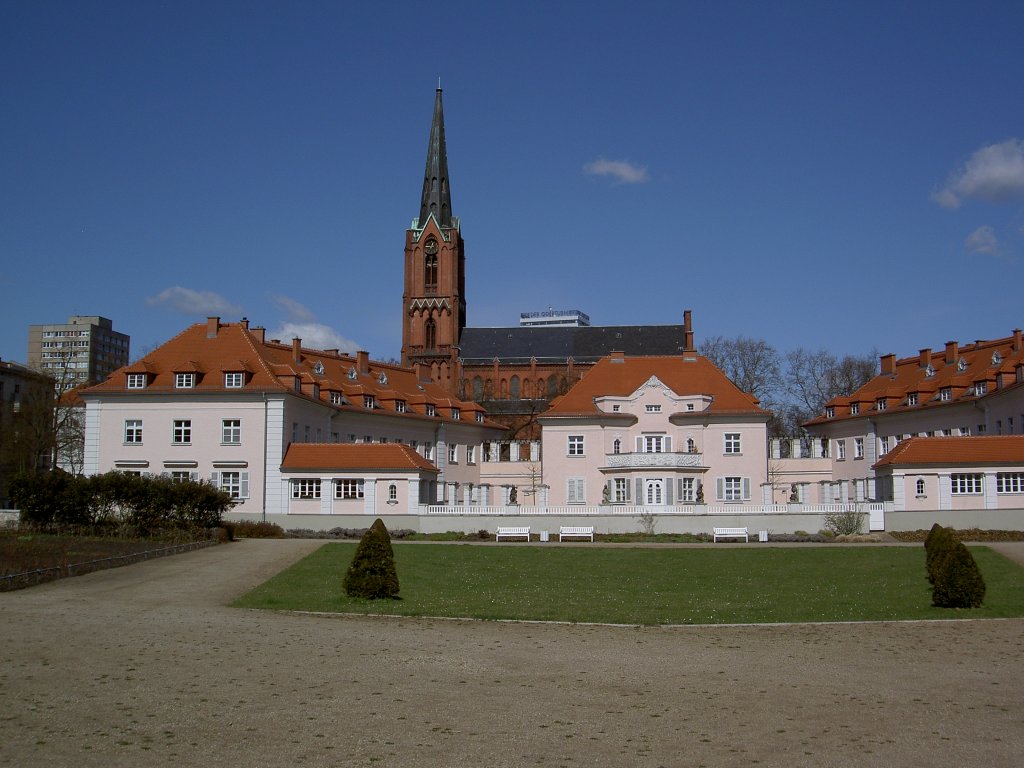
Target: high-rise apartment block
{"points": [[85, 349]]}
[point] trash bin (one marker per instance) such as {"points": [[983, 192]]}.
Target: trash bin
{"points": [[543, 535], [762, 535]]}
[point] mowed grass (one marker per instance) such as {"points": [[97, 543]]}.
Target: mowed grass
{"points": [[629, 585]]}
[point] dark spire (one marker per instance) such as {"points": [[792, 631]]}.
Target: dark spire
{"points": [[437, 198]]}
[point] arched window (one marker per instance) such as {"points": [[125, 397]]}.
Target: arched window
{"points": [[392, 492], [488, 390], [691, 447], [552, 387], [430, 269], [514, 388], [478, 388], [430, 335], [920, 486], [617, 446]]}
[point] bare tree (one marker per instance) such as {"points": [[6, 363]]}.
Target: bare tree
{"points": [[753, 365], [815, 377]]}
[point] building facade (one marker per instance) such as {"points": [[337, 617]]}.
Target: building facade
{"points": [[84, 350], [971, 390]]}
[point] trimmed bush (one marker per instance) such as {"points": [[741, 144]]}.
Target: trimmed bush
{"points": [[958, 581], [938, 544], [258, 529], [372, 572]]}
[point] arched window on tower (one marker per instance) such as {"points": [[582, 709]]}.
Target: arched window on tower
{"points": [[430, 335], [430, 272]]}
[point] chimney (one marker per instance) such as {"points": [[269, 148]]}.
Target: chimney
{"points": [[617, 356], [245, 323], [951, 352], [687, 331], [1016, 340], [888, 364], [212, 326], [363, 361], [297, 349], [926, 357], [260, 333], [331, 352]]}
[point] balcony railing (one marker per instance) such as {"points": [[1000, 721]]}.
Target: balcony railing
{"points": [[644, 460]]}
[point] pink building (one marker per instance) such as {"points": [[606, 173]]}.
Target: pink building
{"points": [[657, 431]]}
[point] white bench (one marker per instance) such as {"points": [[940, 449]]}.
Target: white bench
{"points": [[731, 533], [576, 532], [508, 533]]}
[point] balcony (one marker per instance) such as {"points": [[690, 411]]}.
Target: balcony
{"points": [[653, 460]]}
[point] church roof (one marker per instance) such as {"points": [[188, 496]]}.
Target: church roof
{"points": [[437, 198], [586, 344]]}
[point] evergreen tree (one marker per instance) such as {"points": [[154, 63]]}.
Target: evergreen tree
{"points": [[372, 572], [958, 581]]}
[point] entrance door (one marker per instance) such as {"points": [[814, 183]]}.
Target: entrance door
{"points": [[654, 492]]}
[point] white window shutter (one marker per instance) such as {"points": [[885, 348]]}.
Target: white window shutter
{"points": [[668, 443], [244, 486], [746, 489], [193, 476], [215, 479], [639, 444], [668, 491], [719, 488]]}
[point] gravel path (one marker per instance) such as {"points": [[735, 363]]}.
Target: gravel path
{"points": [[146, 665]]}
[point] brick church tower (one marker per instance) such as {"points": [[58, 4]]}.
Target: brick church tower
{"points": [[434, 302]]}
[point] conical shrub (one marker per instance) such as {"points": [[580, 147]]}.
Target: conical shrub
{"points": [[958, 581], [372, 572], [937, 545]]}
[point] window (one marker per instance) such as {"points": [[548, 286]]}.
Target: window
{"points": [[234, 380], [428, 451], [235, 484], [368, 401], [431, 410], [691, 446], [981, 388], [392, 494], [686, 489], [883, 445], [133, 431], [966, 484], [348, 489], [912, 398], [919, 487], [881, 404], [858, 447], [653, 443], [453, 454], [479, 417], [182, 432], [946, 393], [615, 408], [456, 413], [471, 454], [854, 409], [400, 406], [430, 265], [136, 381], [617, 446], [620, 490], [840, 450], [830, 412], [576, 490], [184, 380], [1010, 482], [181, 476], [732, 442], [307, 488], [575, 445], [231, 431], [653, 409], [337, 399], [733, 488]]}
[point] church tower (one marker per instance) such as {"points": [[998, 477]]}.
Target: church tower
{"points": [[433, 301]]}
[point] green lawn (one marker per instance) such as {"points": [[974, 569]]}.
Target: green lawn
{"points": [[645, 586]]}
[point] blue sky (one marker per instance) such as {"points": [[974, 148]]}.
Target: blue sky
{"points": [[840, 175]]}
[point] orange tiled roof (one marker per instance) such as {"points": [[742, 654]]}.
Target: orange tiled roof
{"points": [[212, 349], [947, 451], [350, 456], [621, 376], [953, 372]]}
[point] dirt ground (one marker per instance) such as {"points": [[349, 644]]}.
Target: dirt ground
{"points": [[147, 665]]}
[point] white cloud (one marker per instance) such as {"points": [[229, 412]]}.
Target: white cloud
{"points": [[622, 171], [315, 336], [190, 302], [994, 173], [982, 240], [301, 323]]}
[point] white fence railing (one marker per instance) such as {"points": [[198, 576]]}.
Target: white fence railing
{"points": [[623, 510]]}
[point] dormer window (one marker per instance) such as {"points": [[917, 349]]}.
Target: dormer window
{"points": [[337, 399], [615, 408], [996, 358], [479, 417], [961, 364], [929, 371], [316, 391], [881, 404], [912, 398], [830, 412], [136, 381], [234, 380], [945, 394], [854, 409], [400, 406], [369, 401], [431, 410], [383, 378], [352, 373], [981, 388], [318, 368], [184, 380], [456, 414], [689, 406]]}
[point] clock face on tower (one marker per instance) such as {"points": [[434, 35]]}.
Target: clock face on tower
{"points": [[430, 246]]}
